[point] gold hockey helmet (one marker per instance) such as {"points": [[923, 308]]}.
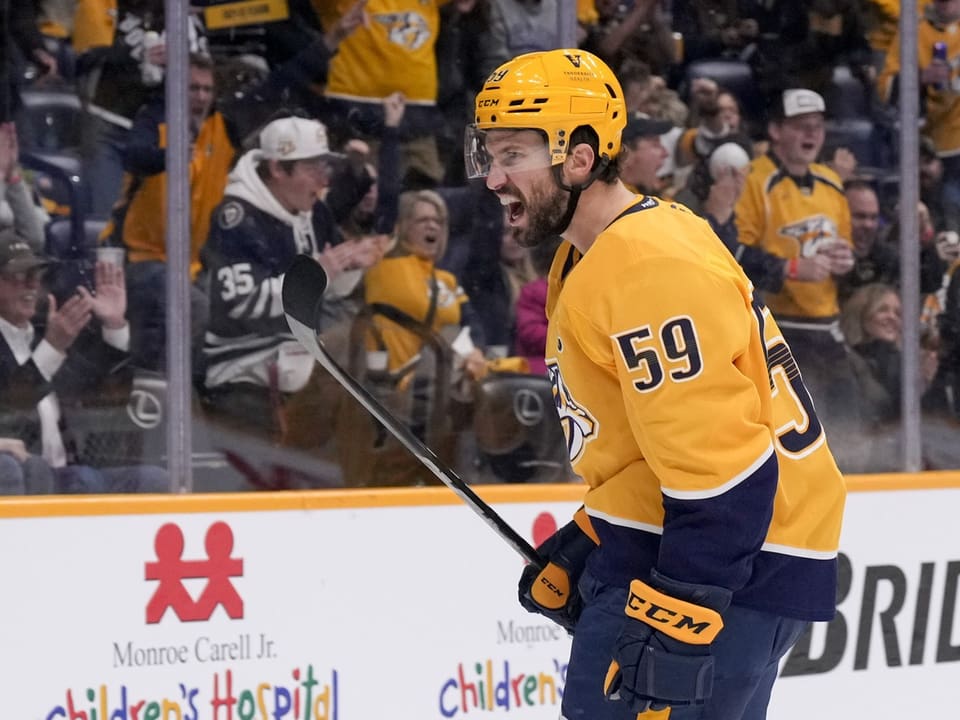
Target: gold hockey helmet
{"points": [[555, 91]]}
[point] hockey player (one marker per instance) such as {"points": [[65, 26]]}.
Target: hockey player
{"points": [[711, 522]]}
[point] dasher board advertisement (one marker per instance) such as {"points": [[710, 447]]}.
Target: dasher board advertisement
{"points": [[346, 606]]}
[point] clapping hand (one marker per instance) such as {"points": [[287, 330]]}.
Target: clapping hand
{"points": [[65, 323], [840, 256], [109, 300], [359, 254]]}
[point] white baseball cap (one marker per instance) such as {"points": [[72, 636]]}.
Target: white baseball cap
{"points": [[295, 138], [800, 101], [727, 155]]}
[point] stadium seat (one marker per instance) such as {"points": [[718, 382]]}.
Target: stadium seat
{"points": [[57, 180], [735, 76], [847, 97], [73, 253], [49, 120], [857, 135]]}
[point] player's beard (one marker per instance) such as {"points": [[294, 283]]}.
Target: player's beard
{"points": [[545, 210]]}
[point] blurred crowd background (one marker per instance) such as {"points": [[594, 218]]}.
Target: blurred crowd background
{"points": [[336, 128]]}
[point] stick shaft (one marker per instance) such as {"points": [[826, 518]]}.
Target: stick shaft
{"points": [[310, 297]]}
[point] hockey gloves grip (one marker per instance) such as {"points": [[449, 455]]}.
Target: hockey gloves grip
{"points": [[662, 655], [552, 590]]}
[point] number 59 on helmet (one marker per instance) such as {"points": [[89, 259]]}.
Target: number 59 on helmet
{"points": [[555, 92]]}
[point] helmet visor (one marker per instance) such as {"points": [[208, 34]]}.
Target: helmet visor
{"points": [[509, 150]]}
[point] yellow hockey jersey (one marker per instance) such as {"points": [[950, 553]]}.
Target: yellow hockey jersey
{"points": [[685, 414], [404, 282], [791, 217], [393, 52], [943, 105]]}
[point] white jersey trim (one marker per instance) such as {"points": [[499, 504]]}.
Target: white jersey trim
{"points": [[799, 552], [766, 547], [622, 522]]}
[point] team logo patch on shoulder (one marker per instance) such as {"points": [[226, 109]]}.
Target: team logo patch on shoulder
{"points": [[231, 215]]}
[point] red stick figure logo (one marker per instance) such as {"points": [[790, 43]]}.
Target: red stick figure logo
{"points": [[170, 570]]}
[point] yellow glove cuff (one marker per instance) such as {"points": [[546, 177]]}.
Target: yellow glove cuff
{"points": [[681, 620], [551, 589]]}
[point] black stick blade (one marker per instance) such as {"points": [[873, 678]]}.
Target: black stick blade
{"points": [[302, 292]]}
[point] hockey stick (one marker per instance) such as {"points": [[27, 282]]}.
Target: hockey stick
{"points": [[303, 286]]}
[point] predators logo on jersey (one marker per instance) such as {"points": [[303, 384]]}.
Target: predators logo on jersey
{"points": [[407, 29], [811, 233], [578, 423]]}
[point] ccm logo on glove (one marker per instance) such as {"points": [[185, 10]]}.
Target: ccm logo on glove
{"points": [[552, 587], [679, 619]]}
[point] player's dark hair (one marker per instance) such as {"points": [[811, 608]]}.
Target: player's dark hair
{"points": [[586, 134]]}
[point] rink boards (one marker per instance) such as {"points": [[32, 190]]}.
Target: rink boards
{"points": [[356, 605]]}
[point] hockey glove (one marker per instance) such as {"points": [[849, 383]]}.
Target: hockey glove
{"points": [[552, 590], [662, 655]]}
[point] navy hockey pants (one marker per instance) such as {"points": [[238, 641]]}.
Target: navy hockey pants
{"points": [[746, 656]]}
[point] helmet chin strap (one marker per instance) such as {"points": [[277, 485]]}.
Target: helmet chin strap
{"points": [[564, 222]]}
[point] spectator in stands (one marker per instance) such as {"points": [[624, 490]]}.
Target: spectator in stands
{"points": [[115, 82], [875, 259], [364, 191], [422, 335], [19, 29], [939, 80], [139, 219], [728, 107], [50, 369], [517, 27], [401, 35], [707, 127], [408, 281], [872, 322], [795, 208], [632, 31], [643, 154], [363, 199], [938, 249], [269, 214], [17, 207], [715, 186]]}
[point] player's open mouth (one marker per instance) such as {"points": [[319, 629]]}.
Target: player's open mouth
{"points": [[514, 207]]}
